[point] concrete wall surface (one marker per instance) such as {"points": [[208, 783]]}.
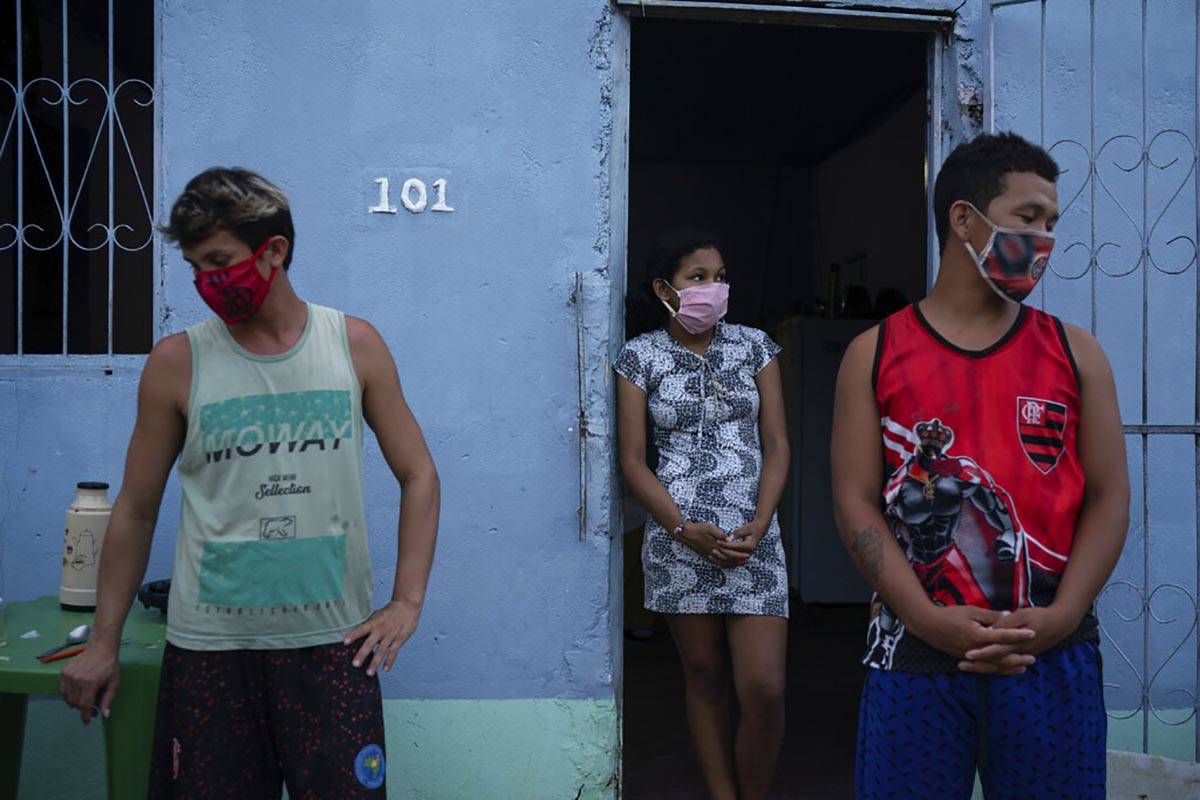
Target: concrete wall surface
{"points": [[511, 686], [508, 688]]}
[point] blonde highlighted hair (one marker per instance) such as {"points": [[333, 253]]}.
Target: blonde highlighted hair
{"points": [[234, 199]]}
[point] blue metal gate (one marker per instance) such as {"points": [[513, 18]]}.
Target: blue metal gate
{"points": [[1110, 87]]}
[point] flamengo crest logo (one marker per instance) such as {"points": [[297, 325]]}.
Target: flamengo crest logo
{"points": [[1041, 425]]}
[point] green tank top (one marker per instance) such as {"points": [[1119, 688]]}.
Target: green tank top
{"points": [[272, 549]]}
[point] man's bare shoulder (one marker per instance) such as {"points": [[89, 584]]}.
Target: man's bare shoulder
{"points": [[865, 340], [372, 359], [171, 357], [364, 338], [860, 353], [1086, 350], [1078, 337], [167, 375]]}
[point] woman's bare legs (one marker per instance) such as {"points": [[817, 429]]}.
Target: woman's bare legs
{"points": [[758, 648], [704, 651]]}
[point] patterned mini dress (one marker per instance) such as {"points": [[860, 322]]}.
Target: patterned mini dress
{"points": [[704, 415]]}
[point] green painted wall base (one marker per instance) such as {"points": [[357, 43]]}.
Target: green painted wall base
{"points": [[437, 750], [450, 749], [502, 749], [1174, 736]]}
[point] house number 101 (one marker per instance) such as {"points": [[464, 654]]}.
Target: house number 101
{"points": [[414, 196]]}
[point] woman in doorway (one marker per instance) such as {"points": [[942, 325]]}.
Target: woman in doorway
{"points": [[713, 556]]}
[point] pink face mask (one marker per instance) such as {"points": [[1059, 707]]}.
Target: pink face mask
{"points": [[700, 307]]}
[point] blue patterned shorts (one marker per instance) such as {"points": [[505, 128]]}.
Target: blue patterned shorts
{"points": [[1037, 735]]}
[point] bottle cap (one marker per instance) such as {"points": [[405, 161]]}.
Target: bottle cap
{"points": [[91, 485]]}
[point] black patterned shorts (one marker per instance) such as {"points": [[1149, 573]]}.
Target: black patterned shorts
{"points": [[239, 723]]}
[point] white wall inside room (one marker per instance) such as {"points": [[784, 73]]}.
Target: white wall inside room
{"points": [[870, 201], [869, 197]]}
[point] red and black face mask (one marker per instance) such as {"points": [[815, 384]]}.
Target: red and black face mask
{"points": [[235, 293], [1012, 261]]}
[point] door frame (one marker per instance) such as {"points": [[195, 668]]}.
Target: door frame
{"points": [[789, 13], [938, 25], [941, 105]]}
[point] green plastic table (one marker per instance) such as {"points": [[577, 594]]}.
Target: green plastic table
{"points": [[129, 730]]}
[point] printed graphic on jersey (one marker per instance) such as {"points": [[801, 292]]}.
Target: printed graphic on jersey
{"points": [[278, 571], [1041, 425], [277, 528], [959, 529], [281, 485], [293, 422]]}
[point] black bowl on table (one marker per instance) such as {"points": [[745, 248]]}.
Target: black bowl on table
{"points": [[154, 594]]}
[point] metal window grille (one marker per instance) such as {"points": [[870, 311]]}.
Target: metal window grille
{"points": [[1110, 88], [77, 167]]}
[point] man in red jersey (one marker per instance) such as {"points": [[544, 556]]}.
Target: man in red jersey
{"points": [[1002, 512]]}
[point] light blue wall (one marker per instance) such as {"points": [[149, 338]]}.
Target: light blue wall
{"points": [[520, 106], [512, 105]]}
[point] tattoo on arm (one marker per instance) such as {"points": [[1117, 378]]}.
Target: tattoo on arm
{"points": [[866, 546]]}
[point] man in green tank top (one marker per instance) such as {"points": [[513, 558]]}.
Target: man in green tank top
{"points": [[270, 673]]}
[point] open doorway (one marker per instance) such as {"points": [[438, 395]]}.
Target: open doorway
{"points": [[804, 150]]}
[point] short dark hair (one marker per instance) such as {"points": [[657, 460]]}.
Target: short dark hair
{"points": [[234, 199], [975, 172], [644, 312]]}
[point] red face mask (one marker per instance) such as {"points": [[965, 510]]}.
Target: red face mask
{"points": [[1012, 261], [236, 292]]}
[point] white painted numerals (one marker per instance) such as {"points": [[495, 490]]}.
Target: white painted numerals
{"points": [[440, 203], [414, 196], [385, 206]]}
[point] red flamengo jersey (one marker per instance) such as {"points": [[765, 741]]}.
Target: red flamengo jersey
{"points": [[983, 481]]}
